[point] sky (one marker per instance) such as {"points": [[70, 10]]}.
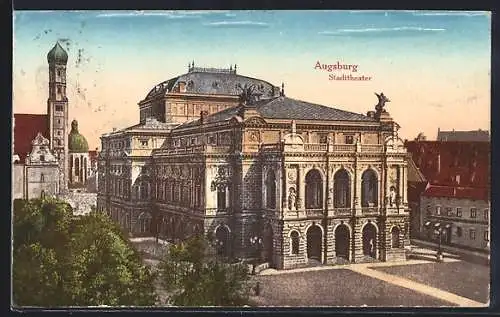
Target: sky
{"points": [[434, 66]]}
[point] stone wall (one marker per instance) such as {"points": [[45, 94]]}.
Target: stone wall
{"points": [[80, 202], [17, 181]]}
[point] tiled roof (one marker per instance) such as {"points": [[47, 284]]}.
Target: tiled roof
{"points": [[289, 109], [26, 128], [458, 192], [213, 83]]}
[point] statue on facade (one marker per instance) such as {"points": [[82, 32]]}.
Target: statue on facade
{"points": [[392, 196], [292, 199], [382, 99]]}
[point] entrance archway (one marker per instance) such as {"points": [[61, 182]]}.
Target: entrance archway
{"points": [[370, 240], [222, 240], [342, 241], [314, 240], [268, 244]]}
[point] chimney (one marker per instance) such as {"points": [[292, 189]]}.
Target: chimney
{"points": [[439, 163]]}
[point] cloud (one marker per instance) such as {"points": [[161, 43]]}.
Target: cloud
{"points": [[404, 30], [447, 13], [422, 12], [167, 14], [238, 24]]}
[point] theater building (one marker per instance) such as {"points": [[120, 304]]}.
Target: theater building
{"points": [[261, 174]]}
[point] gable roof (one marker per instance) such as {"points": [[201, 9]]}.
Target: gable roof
{"points": [[26, 128], [288, 109]]}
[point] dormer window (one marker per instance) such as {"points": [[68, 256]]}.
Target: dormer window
{"points": [[349, 139], [323, 138]]}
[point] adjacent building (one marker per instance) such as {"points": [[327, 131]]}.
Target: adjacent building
{"points": [[259, 173], [47, 160], [463, 136], [457, 196]]}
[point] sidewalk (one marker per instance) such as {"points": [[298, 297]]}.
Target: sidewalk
{"points": [[473, 256]]}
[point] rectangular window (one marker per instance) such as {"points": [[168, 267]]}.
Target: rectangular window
{"points": [[211, 140], [349, 139], [459, 212], [429, 210], [58, 90], [459, 232], [323, 138], [486, 236], [193, 141], [144, 143], [473, 212], [438, 210], [472, 234], [449, 211], [59, 108]]}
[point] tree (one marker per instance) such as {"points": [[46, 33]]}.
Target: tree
{"points": [[62, 260], [195, 279]]}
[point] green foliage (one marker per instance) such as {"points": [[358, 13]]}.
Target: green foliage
{"points": [[61, 260], [192, 278]]}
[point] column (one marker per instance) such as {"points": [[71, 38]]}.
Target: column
{"points": [[357, 191], [264, 188], [387, 184], [405, 185], [301, 188], [400, 185]]}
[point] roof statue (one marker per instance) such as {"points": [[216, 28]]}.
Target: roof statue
{"points": [[247, 95], [382, 99]]}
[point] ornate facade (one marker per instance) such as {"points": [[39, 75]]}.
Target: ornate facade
{"points": [[290, 182]]}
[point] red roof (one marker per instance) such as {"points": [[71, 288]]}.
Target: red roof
{"points": [[454, 169], [26, 127], [458, 192], [464, 164]]}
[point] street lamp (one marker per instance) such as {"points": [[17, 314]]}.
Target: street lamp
{"points": [[438, 230], [256, 243]]}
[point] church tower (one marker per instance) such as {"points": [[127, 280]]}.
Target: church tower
{"points": [[57, 110]]}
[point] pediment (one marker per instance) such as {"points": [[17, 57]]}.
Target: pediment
{"points": [[255, 120]]}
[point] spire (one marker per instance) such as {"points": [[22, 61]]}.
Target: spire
{"points": [[235, 67], [282, 93]]}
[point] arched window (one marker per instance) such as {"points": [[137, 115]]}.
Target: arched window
{"points": [[270, 190], [77, 166], [294, 242], [314, 190], [342, 195], [369, 189], [42, 178], [221, 197], [395, 237], [144, 222]]}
